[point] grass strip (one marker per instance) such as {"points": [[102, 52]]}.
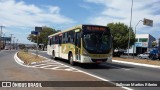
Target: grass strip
{"points": [[28, 57]]}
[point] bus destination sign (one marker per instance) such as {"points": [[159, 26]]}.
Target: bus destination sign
{"points": [[96, 28]]}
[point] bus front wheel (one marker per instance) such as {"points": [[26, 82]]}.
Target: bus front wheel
{"points": [[71, 59]]}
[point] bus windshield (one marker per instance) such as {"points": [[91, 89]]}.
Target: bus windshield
{"points": [[97, 42]]}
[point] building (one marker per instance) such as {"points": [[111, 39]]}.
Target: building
{"points": [[143, 44]]}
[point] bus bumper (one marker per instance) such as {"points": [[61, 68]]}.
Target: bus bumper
{"points": [[86, 59]]}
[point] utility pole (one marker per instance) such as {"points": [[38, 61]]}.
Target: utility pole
{"points": [[11, 41], [4, 41], [17, 44], [0, 38], [130, 28], [134, 50]]}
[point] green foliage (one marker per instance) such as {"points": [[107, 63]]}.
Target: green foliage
{"points": [[43, 37], [154, 43], [120, 33], [22, 46]]}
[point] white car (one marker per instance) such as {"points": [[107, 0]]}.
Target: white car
{"points": [[143, 56]]}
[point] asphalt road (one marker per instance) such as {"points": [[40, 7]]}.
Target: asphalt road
{"points": [[10, 70], [119, 72]]}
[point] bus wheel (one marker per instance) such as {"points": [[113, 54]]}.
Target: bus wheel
{"points": [[71, 59], [53, 55]]}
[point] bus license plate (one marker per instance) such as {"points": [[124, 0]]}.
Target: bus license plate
{"points": [[98, 61]]}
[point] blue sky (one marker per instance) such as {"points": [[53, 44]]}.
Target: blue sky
{"points": [[21, 16]]}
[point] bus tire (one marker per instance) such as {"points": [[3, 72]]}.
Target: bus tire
{"points": [[70, 57], [53, 55]]}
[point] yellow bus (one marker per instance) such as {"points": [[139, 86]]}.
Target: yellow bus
{"points": [[82, 44]]}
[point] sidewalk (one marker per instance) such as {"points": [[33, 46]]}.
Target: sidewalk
{"points": [[137, 61]]}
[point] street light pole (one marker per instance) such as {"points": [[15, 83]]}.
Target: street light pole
{"points": [[130, 27], [17, 44], [4, 41], [135, 35], [37, 46], [11, 41], [0, 37]]}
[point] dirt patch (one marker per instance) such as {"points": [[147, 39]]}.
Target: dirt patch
{"points": [[28, 57], [142, 61]]}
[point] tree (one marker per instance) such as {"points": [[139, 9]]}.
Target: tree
{"points": [[22, 46], [120, 33], [154, 43], [43, 37]]}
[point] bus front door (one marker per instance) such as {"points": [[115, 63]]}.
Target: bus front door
{"points": [[77, 45]]}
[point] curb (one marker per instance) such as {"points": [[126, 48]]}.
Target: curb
{"points": [[19, 61], [138, 64]]}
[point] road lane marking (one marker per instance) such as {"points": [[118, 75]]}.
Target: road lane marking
{"points": [[137, 64], [126, 69], [45, 65], [70, 68], [103, 79]]}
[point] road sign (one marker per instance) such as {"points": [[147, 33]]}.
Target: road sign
{"points": [[34, 32], [38, 29], [6, 38], [148, 22]]}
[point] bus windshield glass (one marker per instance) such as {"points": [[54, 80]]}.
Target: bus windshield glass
{"points": [[97, 42]]}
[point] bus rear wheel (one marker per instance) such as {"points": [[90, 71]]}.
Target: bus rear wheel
{"points": [[53, 55], [71, 59]]}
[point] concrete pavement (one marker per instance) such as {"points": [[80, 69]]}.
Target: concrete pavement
{"points": [[11, 71]]}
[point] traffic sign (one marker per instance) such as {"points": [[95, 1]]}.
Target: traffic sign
{"points": [[6, 38], [34, 32], [38, 29], [148, 22]]}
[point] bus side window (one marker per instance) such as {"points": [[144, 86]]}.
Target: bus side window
{"points": [[57, 40], [53, 40], [60, 40], [69, 39], [66, 39], [50, 41], [63, 40]]}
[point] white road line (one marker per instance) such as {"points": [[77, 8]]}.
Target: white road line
{"points": [[38, 65], [126, 69], [138, 64], [47, 66], [103, 79]]}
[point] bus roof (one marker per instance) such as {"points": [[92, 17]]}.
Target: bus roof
{"points": [[73, 28]]}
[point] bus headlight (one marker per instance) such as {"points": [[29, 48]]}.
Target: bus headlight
{"points": [[85, 53]]}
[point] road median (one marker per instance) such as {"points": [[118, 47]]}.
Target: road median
{"points": [[29, 58]]}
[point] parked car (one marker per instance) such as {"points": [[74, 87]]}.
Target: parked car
{"points": [[143, 56], [154, 53]]}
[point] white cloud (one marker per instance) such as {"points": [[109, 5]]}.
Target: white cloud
{"points": [[21, 14], [54, 9], [120, 11], [20, 18]]}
